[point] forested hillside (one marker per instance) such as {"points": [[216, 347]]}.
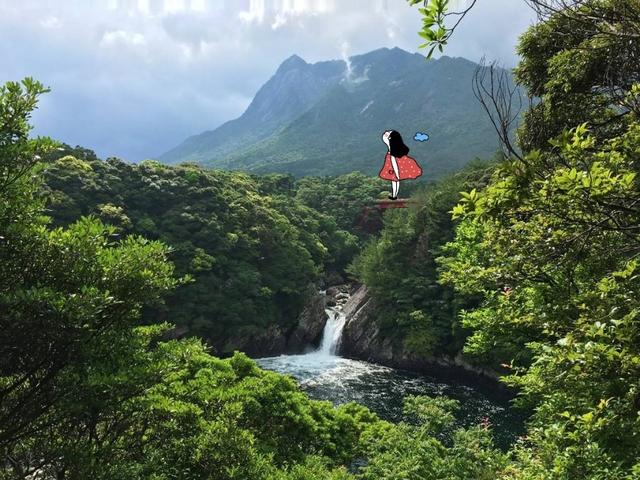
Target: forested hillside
{"points": [[399, 267], [89, 392], [255, 248]]}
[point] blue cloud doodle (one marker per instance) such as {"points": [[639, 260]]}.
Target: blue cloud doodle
{"points": [[421, 137]]}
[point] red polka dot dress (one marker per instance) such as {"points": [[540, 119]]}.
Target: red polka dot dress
{"points": [[408, 168]]}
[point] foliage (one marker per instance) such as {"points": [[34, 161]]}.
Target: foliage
{"points": [[436, 30], [412, 451], [542, 256], [18, 153], [551, 246], [200, 417], [88, 393], [253, 250], [63, 293], [341, 197], [581, 63]]}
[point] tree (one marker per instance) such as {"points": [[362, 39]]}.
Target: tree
{"points": [[440, 22], [412, 450], [551, 246], [401, 273], [582, 62], [64, 294]]}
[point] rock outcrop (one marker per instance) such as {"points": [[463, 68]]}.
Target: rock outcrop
{"points": [[361, 336], [277, 340], [307, 333], [257, 343], [362, 340]]}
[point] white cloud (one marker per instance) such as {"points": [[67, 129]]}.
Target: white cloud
{"points": [[280, 20], [174, 6], [144, 7], [255, 13], [121, 37], [279, 13], [51, 22], [198, 5]]}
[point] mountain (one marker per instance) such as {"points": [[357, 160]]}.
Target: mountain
{"points": [[327, 118], [295, 87]]}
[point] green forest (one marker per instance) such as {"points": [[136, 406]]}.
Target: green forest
{"points": [[527, 262], [249, 249]]}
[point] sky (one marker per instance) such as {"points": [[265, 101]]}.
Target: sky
{"points": [[133, 78]]}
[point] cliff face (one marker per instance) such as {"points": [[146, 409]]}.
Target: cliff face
{"points": [[308, 333], [361, 339]]}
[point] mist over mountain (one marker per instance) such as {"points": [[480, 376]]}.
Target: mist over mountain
{"points": [[326, 118]]}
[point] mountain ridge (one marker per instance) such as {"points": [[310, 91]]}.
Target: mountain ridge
{"points": [[325, 118]]}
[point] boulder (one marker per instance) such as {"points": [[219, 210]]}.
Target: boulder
{"points": [[333, 291], [257, 343], [338, 294]]}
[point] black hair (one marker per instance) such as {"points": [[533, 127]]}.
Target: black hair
{"points": [[397, 148]]}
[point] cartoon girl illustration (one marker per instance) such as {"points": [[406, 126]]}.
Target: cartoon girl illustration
{"points": [[398, 165]]}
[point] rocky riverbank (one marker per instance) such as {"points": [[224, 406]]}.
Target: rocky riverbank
{"points": [[276, 340], [361, 339]]}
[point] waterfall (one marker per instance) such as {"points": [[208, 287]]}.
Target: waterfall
{"points": [[332, 331]]}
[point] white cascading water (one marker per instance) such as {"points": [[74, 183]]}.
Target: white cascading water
{"points": [[332, 331]]}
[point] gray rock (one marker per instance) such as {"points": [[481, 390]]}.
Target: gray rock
{"points": [[310, 326], [334, 278], [362, 340], [332, 291], [265, 343]]}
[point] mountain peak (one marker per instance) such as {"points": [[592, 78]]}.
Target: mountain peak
{"points": [[385, 52], [293, 62]]}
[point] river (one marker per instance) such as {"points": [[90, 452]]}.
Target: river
{"points": [[325, 375]]}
